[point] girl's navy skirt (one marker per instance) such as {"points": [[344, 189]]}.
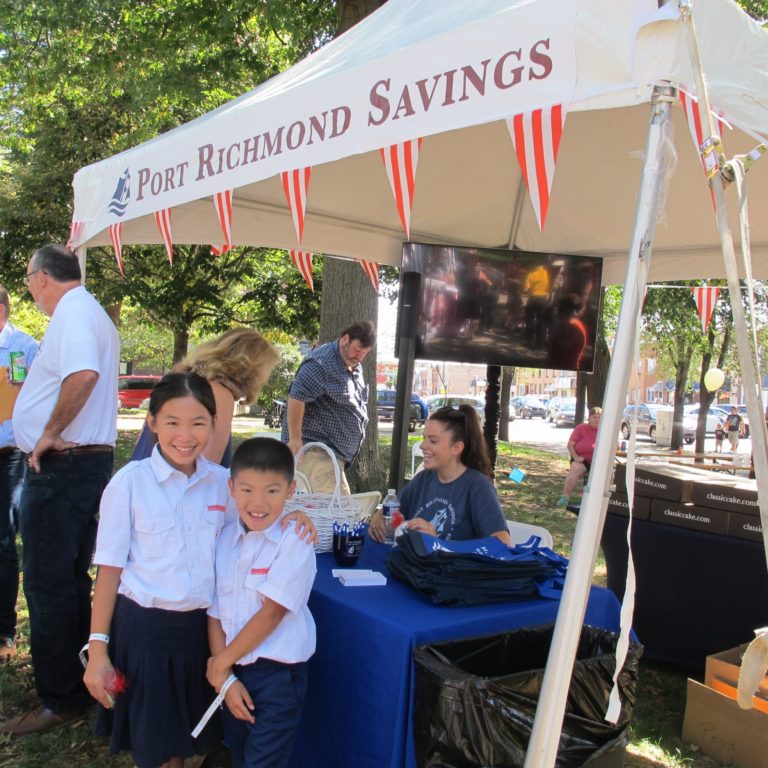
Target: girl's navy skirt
{"points": [[163, 656]]}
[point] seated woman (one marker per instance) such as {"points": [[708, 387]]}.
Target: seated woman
{"points": [[581, 446], [453, 496]]}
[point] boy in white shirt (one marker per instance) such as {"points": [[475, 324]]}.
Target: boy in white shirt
{"points": [[259, 627]]}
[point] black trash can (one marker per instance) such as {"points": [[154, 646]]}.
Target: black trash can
{"points": [[475, 700]]}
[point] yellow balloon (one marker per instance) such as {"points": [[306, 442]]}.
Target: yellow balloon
{"points": [[714, 379]]}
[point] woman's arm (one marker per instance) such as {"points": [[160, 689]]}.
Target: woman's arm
{"points": [[222, 427], [100, 670]]}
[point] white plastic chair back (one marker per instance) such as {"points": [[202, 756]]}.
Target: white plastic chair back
{"points": [[415, 451], [519, 533]]}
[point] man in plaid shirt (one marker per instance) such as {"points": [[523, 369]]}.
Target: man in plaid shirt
{"points": [[328, 403]]}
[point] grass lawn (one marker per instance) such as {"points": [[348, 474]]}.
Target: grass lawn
{"points": [[658, 716]]}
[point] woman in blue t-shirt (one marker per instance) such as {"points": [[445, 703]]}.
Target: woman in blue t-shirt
{"points": [[453, 496]]}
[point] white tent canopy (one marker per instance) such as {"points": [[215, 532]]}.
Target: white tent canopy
{"points": [[451, 73]]}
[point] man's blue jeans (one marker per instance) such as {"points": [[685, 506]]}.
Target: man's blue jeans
{"points": [[59, 507], [11, 474]]}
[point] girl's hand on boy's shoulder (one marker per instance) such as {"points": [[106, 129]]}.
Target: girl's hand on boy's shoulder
{"points": [[239, 702], [305, 528], [217, 673]]}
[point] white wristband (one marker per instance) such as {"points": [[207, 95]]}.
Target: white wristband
{"points": [[100, 636]]}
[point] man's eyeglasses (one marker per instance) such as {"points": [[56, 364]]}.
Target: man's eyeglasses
{"points": [[29, 274]]}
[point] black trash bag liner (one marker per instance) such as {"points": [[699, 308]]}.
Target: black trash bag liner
{"points": [[475, 699], [476, 571]]}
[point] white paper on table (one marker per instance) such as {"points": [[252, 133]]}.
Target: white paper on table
{"points": [[372, 579], [337, 572]]}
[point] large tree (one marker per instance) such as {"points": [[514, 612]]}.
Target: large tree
{"points": [[82, 80], [348, 296]]}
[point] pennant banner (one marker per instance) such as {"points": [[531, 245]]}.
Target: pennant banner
{"points": [[223, 203], [372, 270], [74, 234], [705, 299], [536, 137], [115, 233], [302, 260], [401, 160], [295, 186], [163, 221]]}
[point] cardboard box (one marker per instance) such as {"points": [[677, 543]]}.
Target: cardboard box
{"points": [[657, 481], [690, 516], [745, 527], [618, 504], [735, 495], [724, 667], [721, 729]]}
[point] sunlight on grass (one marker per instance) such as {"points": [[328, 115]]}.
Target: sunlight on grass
{"points": [[656, 723]]}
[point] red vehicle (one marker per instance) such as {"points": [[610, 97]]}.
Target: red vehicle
{"points": [[133, 390]]}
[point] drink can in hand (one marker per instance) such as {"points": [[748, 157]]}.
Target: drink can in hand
{"points": [[17, 367]]}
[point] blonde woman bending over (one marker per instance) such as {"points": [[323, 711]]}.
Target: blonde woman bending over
{"points": [[237, 364]]}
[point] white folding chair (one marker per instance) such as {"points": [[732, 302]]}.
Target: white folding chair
{"points": [[415, 451], [519, 533]]}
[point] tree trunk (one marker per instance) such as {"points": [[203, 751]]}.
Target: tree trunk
{"points": [[180, 343], [705, 396], [113, 310], [596, 380], [352, 11], [348, 296], [491, 426], [681, 382], [507, 376]]}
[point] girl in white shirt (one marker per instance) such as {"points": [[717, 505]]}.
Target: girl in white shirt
{"points": [[159, 520]]}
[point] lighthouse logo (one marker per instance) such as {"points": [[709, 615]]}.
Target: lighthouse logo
{"points": [[119, 201]]}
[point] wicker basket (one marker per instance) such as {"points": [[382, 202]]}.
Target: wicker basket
{"points": [[325, 508]]}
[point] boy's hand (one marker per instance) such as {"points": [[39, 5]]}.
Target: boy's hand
{"points": [[239, 702], [217, 673], [305, 528]]}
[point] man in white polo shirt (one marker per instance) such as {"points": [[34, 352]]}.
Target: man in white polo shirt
{"points": [[64, 420]]}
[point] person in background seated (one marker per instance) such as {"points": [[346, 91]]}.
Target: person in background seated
{"points": [[581, 446], [453, 496]]}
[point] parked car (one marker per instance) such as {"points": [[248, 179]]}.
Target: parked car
{"points": [[435, 402], [565, 414], [554, 404], [133, 390], [531, 406], [716, 413], [646, 421], [385, 408]]}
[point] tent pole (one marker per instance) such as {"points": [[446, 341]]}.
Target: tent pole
{"points": [[542, 748], [747, 361]]}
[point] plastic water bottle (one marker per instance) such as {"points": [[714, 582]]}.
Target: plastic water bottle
{"points": [[390, 509]]}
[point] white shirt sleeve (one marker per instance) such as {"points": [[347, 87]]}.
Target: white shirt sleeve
{"points": [[291, 574], [113, 541]]}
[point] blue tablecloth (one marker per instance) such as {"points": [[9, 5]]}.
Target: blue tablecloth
{"points": [[358, 710]]}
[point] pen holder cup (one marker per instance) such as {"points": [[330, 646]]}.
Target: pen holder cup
{"points": [[347, 548]]}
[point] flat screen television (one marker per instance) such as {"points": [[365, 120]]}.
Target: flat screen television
{"points": [[477, 305]]}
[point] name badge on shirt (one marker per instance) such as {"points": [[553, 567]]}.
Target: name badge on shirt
{"points": [[216, 508], [259, 571]]}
